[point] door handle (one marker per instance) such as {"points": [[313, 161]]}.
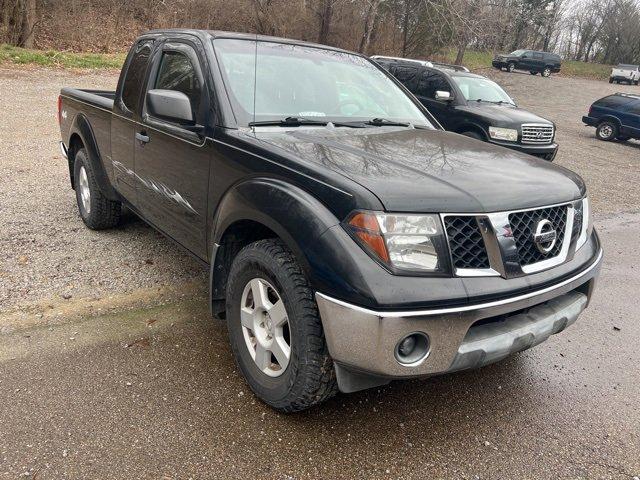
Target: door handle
{"points": [[142, 137]]}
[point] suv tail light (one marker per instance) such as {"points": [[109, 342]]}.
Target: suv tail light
{"points": [[59, 109]]}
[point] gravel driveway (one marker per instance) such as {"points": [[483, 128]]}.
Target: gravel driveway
{"points": [[47, 254]]}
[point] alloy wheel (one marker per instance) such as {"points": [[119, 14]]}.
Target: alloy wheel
{"points": [[85, 192], [265, 327]]}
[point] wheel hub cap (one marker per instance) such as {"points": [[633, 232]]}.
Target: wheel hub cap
{"points": [[265, 327]]}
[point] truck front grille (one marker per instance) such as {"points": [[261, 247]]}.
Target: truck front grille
{"points": [[469, 250], [537, 134], [523, 226], [466, 243]]}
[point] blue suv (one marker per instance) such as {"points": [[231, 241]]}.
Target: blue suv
{"points": [[615, 117]]}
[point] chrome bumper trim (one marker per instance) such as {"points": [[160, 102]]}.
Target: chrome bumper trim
{"points": [[465, 308], [364, 340]]}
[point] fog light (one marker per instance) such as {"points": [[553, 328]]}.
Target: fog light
{"points": [[412, 349]]}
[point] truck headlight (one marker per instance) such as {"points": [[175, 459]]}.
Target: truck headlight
{"points": [[587, 224], [402, 242], [508, 134]]}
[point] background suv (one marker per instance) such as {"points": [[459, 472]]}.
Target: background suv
{"points": [[615, 117], [475, 106], [530, 60]]}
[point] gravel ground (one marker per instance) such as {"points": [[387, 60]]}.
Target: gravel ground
{"points": [[154, 393], [46, 253]]}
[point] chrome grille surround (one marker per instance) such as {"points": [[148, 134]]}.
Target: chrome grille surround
{"points": [[537, 133], [501, 242]]}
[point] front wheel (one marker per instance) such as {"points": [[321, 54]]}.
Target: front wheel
{"points": [[546, 72], [511, 67], [607, 131], [96, 210], [533, 73], [275, 329], [611, 80]]}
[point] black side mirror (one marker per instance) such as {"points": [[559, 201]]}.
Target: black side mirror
{"points": [[170, 105]]}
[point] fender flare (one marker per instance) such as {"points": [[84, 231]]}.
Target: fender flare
{"points": [[472, 127], [290, 212], [82, 128]]}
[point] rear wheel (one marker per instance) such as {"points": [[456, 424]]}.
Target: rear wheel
{"points": [[611, 80], [96, 210], [275, 329], [636, 82], [511, 67], [533, 73], [606, 131], [546, 72]]}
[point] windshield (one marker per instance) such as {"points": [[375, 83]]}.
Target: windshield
{"points": [[517, 53], [482, 89], [307, 82]]}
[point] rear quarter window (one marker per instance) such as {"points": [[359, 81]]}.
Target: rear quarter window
{"points": [[136, 71]]}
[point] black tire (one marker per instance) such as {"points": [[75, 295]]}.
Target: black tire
{"points": [[475, 135], [101, 213], [606, 131], [511, 67], [546, 72], [533, 73], [611, 80], [637, 82], [309, 377]]}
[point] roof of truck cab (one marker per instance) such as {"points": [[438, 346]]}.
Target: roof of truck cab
{"points": [[213, 34]]}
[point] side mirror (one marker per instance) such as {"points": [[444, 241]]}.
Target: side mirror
{"points": [[444, 96], [170, 105]]}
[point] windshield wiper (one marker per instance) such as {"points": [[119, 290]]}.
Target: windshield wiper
{"points": [[300, 121], [383, 122], [499, 102]]}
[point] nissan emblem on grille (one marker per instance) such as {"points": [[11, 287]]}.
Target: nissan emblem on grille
{"points": [[545, 236]]}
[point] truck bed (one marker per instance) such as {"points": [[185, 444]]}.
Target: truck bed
{"points": [[98, 98]]}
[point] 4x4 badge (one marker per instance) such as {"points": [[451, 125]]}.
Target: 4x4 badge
{"points": [[545, 236]]}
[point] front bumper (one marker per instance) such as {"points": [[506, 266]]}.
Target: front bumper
{"points": [[547, 152], [363, 342]]}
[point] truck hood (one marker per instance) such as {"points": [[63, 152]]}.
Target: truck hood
{"points": [[415, 170], [503, 115]]}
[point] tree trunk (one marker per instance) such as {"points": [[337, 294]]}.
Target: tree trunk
{"points": [[326, 14], [28, 23], [460, 55], [405, 28]]}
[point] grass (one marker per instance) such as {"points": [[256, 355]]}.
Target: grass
{"points": [[50, 58], [475, 60]]}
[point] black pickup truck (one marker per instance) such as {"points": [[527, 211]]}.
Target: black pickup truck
{"points": [[351, 241]]}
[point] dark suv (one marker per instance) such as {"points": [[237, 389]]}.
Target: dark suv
{"points": [[474, 106], [615, 117], [529, 60]]}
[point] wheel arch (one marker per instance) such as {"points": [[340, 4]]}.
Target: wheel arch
{"points": [[261, 208], [473, 127], [81, 136]]}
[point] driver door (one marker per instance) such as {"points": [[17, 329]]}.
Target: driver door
{"points": [[173, 160]]}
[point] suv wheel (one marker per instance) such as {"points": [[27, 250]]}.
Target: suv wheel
{"points": [[546, 72], [511, 67], [607, 131], [275, 329], [611, 80], [96, 210], [533, 73]]}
